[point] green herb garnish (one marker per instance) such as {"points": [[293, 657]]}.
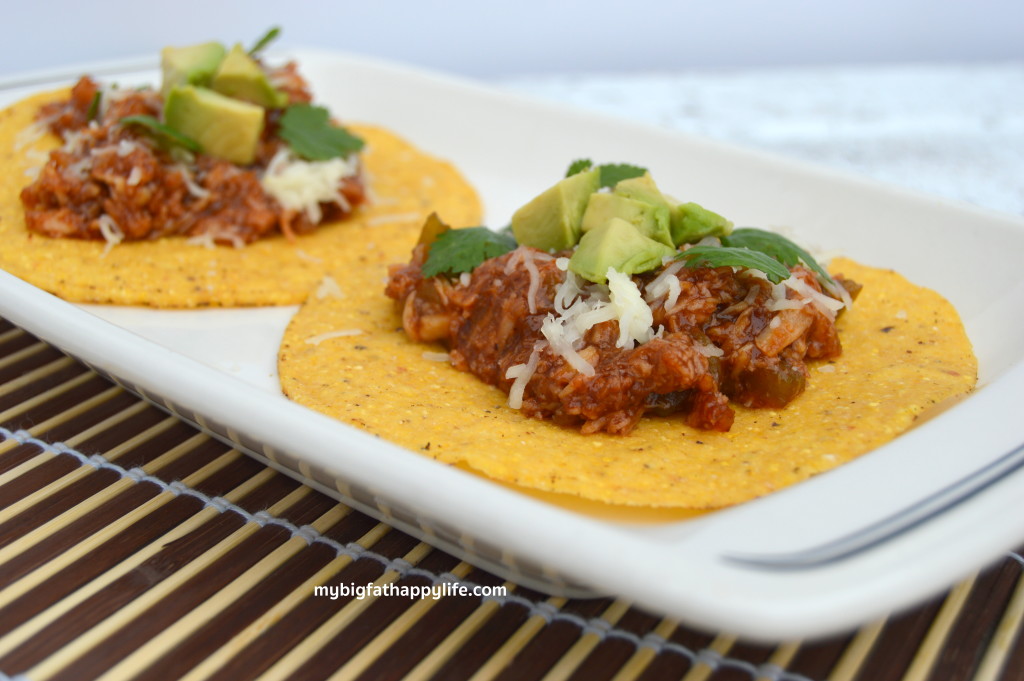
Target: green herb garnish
{"points": [[163, 132], [578, 166], [268, 37], [94, 106], [461, 250], [776, 246], [734, 256], [308, 131], [611, 173]]}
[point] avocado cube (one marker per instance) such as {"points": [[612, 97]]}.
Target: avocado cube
{"points": [[641, 188], [240, 76], [619, 245], [651, 220], [553, 220], [224, 127], [190, 65], [692, 222]]}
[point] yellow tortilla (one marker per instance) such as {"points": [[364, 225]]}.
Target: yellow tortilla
{"points": [[405, 186], [905, 353]]}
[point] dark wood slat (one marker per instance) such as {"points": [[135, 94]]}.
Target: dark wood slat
{"points": [[105, 440], [85, 526], [234, 618], [548, 646], [88, 418], [195, 458], [816, 659], [40, 386], [66, 400], [748, 652], [106, 556], [1014, 663], [30, 482], [484, 644], [269, 493], [609, 656], [70, 496], [898, 643], [18, 455], [427, 633], [669, 664], [977, 623], [198, 589], [12, 345], [122, 591], [29, 363], [301, 622], [375, 619], [308, 509]]}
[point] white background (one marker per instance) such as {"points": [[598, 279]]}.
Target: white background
{"points": [[520, 37]]}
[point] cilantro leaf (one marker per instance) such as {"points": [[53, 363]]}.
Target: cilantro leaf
{"points": [[613, 173], [268, 37], [161, 131], [735, 256], [461, 250], [578, 166], [308, 131], [777, 246]]}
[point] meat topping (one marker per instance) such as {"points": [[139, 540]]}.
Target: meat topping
{"points": [[717, 335], [114, 181]]}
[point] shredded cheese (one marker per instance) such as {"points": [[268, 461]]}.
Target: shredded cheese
{"points": [[32, 133], [111, 232], [528, 258], [579, 309], [521, 375], [190, 183], [634, 315], [303, 185], [134, 177], [393, 217], [328, 287], [826, 304], [666, 284], [320, 338], [709, 349], [205, 240], [563, 340], [307, 257]]}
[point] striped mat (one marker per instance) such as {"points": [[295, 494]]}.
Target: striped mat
{"points": [[133, 546]]}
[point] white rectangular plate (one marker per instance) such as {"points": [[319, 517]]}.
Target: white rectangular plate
{"points": [[510, 148]]}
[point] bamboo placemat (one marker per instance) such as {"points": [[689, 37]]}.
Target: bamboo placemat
{"points": [[134, 546]]}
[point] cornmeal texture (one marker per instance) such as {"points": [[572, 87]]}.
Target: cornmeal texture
{"points": [[905, 354]]}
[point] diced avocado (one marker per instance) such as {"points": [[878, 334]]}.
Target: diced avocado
{"points": [[641, 189], [552, 221], [240, 76], [619, 245], [191, 65], [651, 220], [224, 127], [691, 222]]}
